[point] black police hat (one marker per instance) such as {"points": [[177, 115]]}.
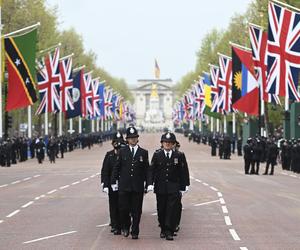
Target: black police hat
{"points": [[131, 132], [118, 137], [168, 137]]}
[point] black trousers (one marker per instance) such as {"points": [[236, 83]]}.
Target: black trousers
{"points": [[272, 167], [113, 198], [179, 211], [247, 166], [130, 206], [167, 211]]}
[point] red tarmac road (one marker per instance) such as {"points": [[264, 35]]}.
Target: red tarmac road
{"points": [[61, 206]]}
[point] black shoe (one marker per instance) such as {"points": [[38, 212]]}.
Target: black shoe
{"points": [[125, 232], [134, 236], [162, 235], [169, 237], [174, 234], [177, 229], [117, 232]]}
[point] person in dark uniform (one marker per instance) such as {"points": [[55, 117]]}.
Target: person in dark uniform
{"points": [[239, 146], [272, 153], [168, 176], [221, 147], [109, 161], [131, 172], [187, 184], [214, 145], [31, 146], [248, 154], [40, 150], [256, 157], [52, 149]]}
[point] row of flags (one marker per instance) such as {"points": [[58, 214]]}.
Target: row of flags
{"points": [[60, 88], [263, 73]]}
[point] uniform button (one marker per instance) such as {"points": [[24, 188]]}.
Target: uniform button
{"points": [[166, 180], [167, 169], [132, 169], [132, 164], [131, 175], [167, 175]]}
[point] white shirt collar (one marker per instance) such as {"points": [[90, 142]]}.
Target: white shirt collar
{"points": [[135, 148], [170, 153]]}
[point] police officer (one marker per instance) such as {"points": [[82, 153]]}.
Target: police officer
{"points": [[52, 149], [109, 161], [272, 153], [131, 171], [40, 150], [168, 176], [248, 154]]}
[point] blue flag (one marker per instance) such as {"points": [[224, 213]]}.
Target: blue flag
{"points": [[101, 101]]}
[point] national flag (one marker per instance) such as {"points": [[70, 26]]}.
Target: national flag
{"points": [[49, 83], [224, 83], [87, 96], [108, 93], [102, 100], [214, 73], [156, 70], [245, 92], [283, 52], [258, 40], [20, 54], [76, 95], [66, 81], [95, 98]]}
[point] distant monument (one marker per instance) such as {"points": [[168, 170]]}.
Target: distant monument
{"points": [[153, 114]]}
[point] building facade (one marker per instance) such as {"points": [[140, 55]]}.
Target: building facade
{"points": [[153, 103]]}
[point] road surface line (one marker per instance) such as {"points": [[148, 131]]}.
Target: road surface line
{"points": [[38, 175], [224, 209], [222, 201], [15, 182], [192, 177], [103, 225], [13, 213], [220, 194], [198, 180], [85, 179], [1, 221], [37, 198], [227, 221], [5, 185], [205, 203], [213, 188], [76, 182], [154, 214], [234, 234], [49, 237], [26, 179], [292, 175], [205, 184], [63, 187], [243, 248], [28, 204], [92, 176], [52, 191]]}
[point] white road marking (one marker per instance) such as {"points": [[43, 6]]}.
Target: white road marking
{"points": [[37, 198], [1, 221], [205, 203], [42, 196], [5, 185], [15, 182], [227, 221], [52, 191], [220, 194], [64, 187], [234, 234], [222, 201], [49, 237], [76, 182], [198, 180], [292, 175], [243, 248], [213, 188], [85, 179], [154, 214], [205, 184], [38, 175], [26, 179], [13, 213], [103, 225], [284, 173], [92, 176], [192, 177], [224, 209], [28, 204]]}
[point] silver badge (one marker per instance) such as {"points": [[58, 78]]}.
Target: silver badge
{"points": [[131, 130], [118, 135], [168, 136], [141, 158], [75, 94], [175, 160]]}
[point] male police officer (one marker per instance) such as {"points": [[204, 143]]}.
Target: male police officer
{"points": [[106, 174], [131, 171], [168, 176]]}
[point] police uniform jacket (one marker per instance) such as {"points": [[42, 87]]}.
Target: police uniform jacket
{"points": [[168, 175], [248, 152], [109, 161], [131, 172]]}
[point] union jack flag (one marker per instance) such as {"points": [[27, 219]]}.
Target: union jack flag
{"points": [[65, 68], [214, 74], [188, 106], [86, 96], [224, 83], [283, 52], [198, 100], [258, 40], [96, 98], [108, 94], [48, 77]]}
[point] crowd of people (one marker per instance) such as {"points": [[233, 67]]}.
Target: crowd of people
{"points": [[126, 176], [20, 149]]}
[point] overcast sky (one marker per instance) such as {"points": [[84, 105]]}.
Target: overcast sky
{"points": [[127, 35]]}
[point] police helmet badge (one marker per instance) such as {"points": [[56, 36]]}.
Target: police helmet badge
{"points": [[118, 135], [168, 136], [131, 131]]}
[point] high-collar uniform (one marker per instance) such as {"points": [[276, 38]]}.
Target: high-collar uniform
{"points": [[169, 178], [131, 173]]}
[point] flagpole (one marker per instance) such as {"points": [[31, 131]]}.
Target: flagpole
{"points": [[21, 30], [218, 125], [219, 54], [50, 48], [93, 126], [71, 126], [285, 5], [60, 123], [239, 46], [211, 124], [80, 125], [79, 68], [97, 124], [29, 122], [46, 123], [1, 111], [66, 57], [233, 125], [102, 125], [225, 124]]}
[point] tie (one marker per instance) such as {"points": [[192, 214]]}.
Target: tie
{"points": [[168, 155], [132, 151]]}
